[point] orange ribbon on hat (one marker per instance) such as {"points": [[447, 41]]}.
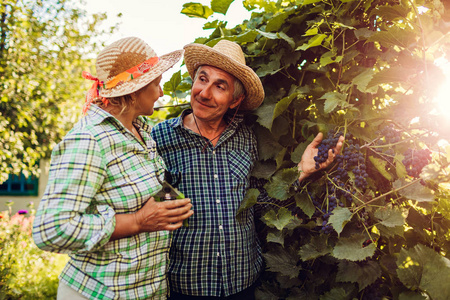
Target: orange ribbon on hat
{"points": [[92, 93], [130, 74]]}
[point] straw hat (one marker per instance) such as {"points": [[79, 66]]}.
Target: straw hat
{"points": [[125, 54], [228, 56]]}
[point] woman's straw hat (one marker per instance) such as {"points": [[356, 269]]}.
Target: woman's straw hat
{"points": [[125, 54], [228, 56]]}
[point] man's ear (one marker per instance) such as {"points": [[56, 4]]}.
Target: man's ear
{"points": [[237, 101]]}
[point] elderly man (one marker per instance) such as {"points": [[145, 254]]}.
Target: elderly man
{"points": [[212, 152]]}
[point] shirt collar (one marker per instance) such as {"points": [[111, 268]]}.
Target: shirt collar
{"points": [[98, 115], [178, 122]]}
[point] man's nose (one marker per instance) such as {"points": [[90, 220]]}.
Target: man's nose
{"points": [[206, 91]]}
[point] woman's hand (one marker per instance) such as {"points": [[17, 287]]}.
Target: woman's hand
{"points": [[307, 165], [166, 215], [153, 216]]}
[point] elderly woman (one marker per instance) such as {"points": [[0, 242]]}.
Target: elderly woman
{"points": [[98, 206]]}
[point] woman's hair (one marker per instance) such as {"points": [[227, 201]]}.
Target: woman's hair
{"points": [[238, 86], [123, 103]]}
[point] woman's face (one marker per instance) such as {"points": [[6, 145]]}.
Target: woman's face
{"points": [[147, 96]]}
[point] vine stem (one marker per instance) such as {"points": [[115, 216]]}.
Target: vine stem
{"points": [[390, 192]]}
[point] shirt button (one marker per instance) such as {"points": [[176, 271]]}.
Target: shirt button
{"points": [[220, 227], [214, 152], [216, 176], [218, 254], [217, 201]]}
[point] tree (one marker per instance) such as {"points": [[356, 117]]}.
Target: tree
{"points": [[376, 223], [44, 47]]}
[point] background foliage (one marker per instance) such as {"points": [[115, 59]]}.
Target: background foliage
{"points": [[371, 228], [26, 272], [44, 47]]}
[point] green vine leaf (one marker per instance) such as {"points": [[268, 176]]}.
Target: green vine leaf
{"points": [[423, 268], [275, 237], [221, 6], [283, 105], [363, 274], [265, 115], [400, 168], [415, 191], [340, 217], [316, 248], [276, 21], [278, 219], [352, 248], [389, 76], [394, 36], [313, 42], [333, 100], [380, 165], [335, 293], [250, 199], [305, 204], [279, 185], [391, 217], [196, 10], [280, 261], [362, 81], [296, 155], [306, 2]]}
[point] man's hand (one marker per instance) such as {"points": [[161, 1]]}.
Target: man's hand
{"points": [[153, 216], [307, 165]]}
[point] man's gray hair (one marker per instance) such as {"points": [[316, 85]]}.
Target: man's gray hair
{"points": [[238, 86]]}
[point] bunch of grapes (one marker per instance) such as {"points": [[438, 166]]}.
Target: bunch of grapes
{"points": [[324, 210], [352, 160], [415, 160], [326, 144], [391, 135]]}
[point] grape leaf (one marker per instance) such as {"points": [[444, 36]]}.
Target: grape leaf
{"points": [[380, 165], [316, 248], [296, 155], [363, 274], [335, 293], [247, 36], [281, 261], [276, 21], [283, 104], [313, 42], [340, 217], [423, 268], [275, 237], [278, 219], [362, 81], [352, 248], [264, 168], [391, 231], [414, 192], [221, 6], [391, 75], [249, 200], [305, 204], [265, 115], [279, 185], [333, 100], [196, 10], [391, 217], [399, 166]]}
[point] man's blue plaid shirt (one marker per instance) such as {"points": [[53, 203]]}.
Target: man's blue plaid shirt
{"points": [[218, 254]]}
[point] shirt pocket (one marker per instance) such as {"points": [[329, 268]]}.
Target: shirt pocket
{"points": [[240, 164]]}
